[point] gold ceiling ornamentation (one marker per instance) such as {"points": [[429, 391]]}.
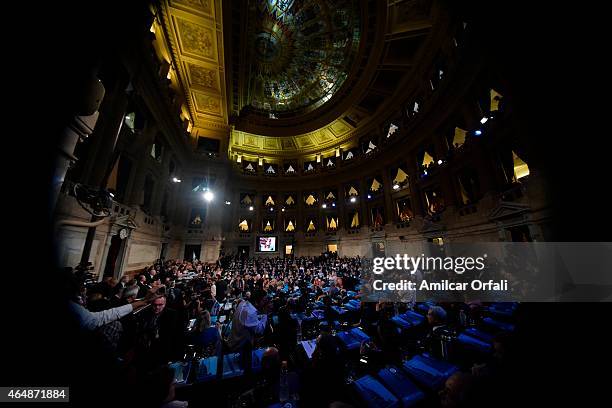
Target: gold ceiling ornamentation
{"points": [[197, 40], [271, 143], [339, 128], [304, 141], [192, 43], [204, 77], [199, 5], [191, 39], [288, 143], [328, 138], [207, 103]]}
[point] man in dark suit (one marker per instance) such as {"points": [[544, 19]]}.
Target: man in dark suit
{"points": [[160, 335], [221, 285]]}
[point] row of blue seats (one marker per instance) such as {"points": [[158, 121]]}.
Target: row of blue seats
{"points": [[353, 338], [408, 319], [207, 368], [404, 387], [350, 340]]}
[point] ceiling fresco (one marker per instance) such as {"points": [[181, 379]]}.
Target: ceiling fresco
{"points": [[300, 52]]}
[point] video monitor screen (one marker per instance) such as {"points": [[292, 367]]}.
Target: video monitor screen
{"points": [[266, 244]]}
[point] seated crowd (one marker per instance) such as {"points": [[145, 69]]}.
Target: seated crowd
{"points": [[186, 311]]}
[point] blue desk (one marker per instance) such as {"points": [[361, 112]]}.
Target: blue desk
{"points": [[507, 327], [474, 343], [374, 394], [429, 372], [401, 386], [207, 369]]}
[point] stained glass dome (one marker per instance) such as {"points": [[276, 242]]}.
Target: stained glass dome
{"points": [[300, 52]]}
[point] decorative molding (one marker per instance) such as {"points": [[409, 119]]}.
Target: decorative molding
{"points": [[507, 209], [194, 33]]}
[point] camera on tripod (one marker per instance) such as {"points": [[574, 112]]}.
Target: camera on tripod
{"points": [[98, 199]]}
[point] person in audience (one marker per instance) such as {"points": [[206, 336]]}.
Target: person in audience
{"points": [[457, 391], [144, 287], [155, 336], [388, 338], [89, 320], [157, 389], [287, 329], [129, 294], [221, 285], [206, 338], [248, 323], [160, 335], [117, 292], [151, 275], [270, 370], [436, 317], [237, 286], [327, 370]]}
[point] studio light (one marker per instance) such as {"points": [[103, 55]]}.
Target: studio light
{"points": [[251, 208], [478, 132], [369, 196], [227, 202], [324, 206], [440, 161], [208, 196], [353, 199], [176, 180], [484, 120], [396, 186], [333, 204]]}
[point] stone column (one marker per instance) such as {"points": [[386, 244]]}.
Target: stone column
{"points": [[136, 194], [107, 243], [77, 131], [387, 193], [416, 198], [362, 202], [106, 134]]}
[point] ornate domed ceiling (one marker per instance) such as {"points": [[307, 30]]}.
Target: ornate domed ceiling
{"points": [[288, 79], [299, 52]]}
